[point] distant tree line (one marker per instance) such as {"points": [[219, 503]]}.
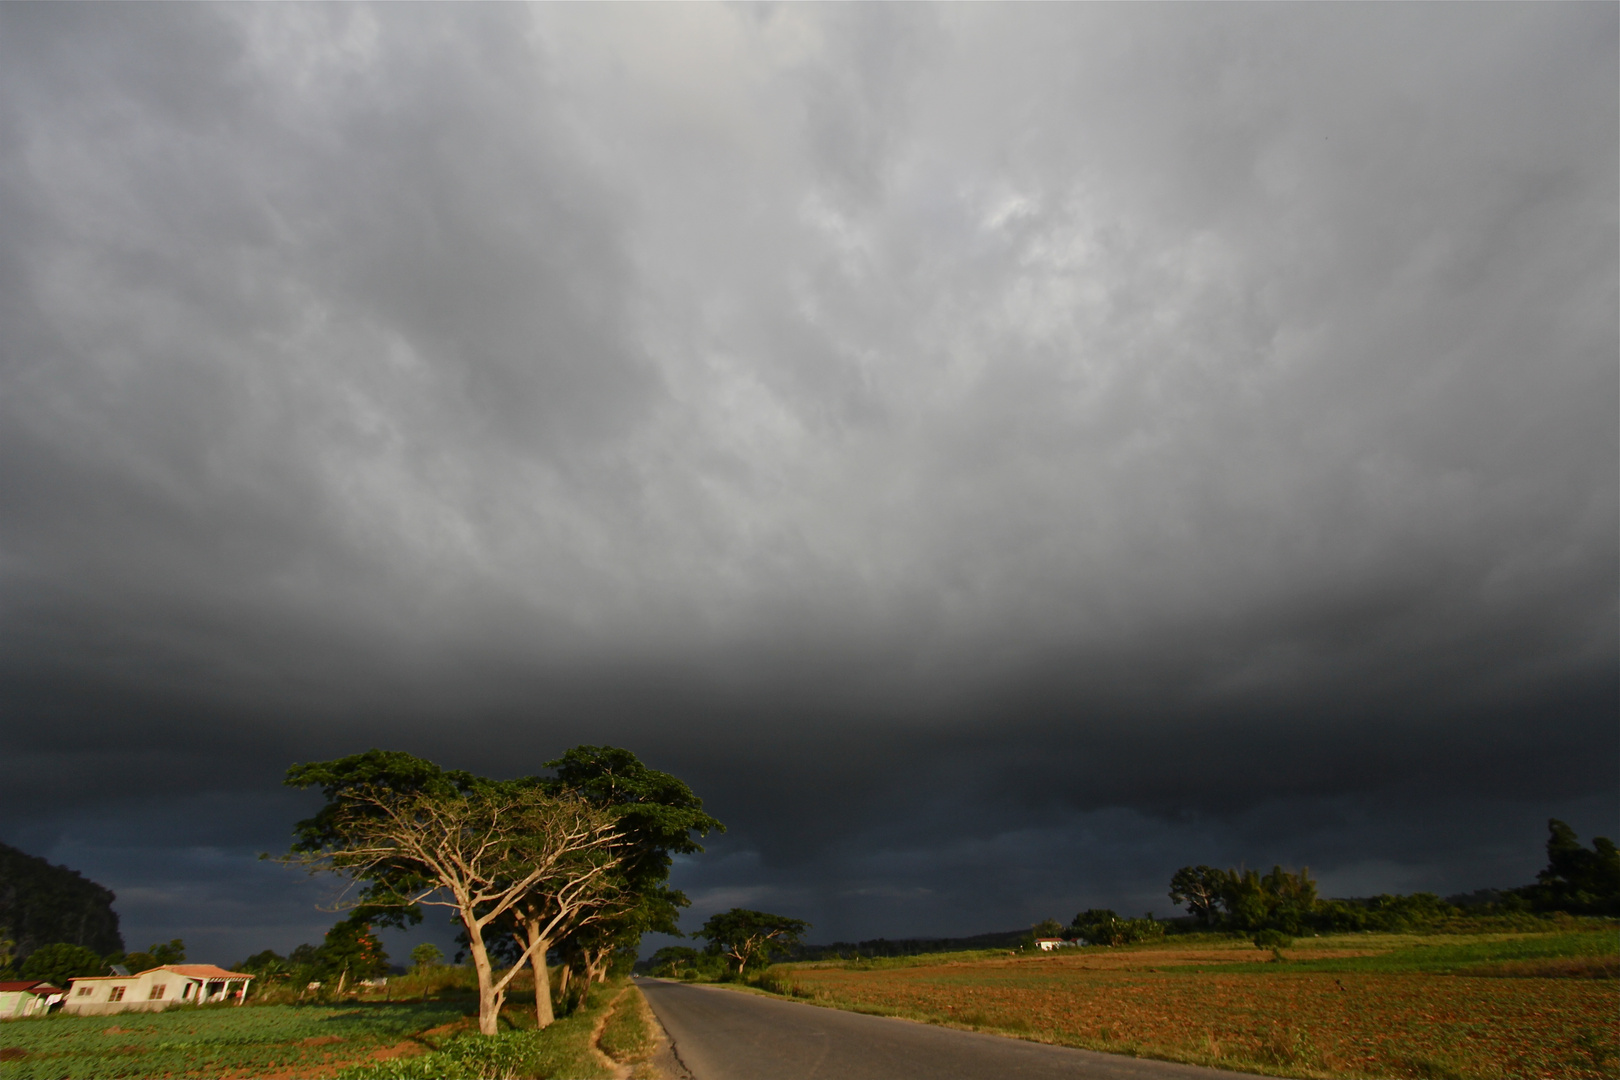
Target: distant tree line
{"points": [[61, 962], [350, 953], [1577, 881], [739, 941], [1275, 907]]}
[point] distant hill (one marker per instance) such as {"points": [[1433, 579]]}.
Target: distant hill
{"points": [[1005, 939], [41, 904]]}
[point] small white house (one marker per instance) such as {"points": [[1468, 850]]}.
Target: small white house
{"points": [[30, 998], [1047, 944], [155, 989]]}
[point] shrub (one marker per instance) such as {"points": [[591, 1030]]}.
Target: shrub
{"points": [[60, 963], [1271, 939]]}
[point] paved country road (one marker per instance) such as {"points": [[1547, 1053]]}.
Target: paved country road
{"points": [[726, 1035]]}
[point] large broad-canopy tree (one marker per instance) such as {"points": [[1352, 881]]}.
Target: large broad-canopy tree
{"points": [[657, 817], [1199, 888], [750, 936], [412, 834]]}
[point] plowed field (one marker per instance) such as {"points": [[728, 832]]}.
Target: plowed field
{"points": [[1210, 1007]]}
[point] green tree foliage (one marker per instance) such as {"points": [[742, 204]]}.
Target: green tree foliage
{"points": [[1384, 913], [1279, 900], [271, 968], [1247, 901], [61, 962], [356, 787], [1199, 888], [157, 955], [1579, 880], [426, 955], [656, 817], [351, 951], [42, 904], [672, 960], [657, 814], [1101, 926], [413, 834], [750, 937]]}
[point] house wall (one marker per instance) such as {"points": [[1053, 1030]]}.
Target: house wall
{"points": [[137, 996], [15, 1003]]}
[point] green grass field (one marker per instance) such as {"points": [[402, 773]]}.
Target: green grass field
{"points": [[212, 1041], [419, 1040]]}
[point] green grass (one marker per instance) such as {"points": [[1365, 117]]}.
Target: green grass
{"points": [[879, 963], [1457, 958], [626, 1036], [561, 1050], [209, 1041]]}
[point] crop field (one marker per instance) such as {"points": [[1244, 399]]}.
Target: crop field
{"points": [[1487, 1006], [215, 1041]]}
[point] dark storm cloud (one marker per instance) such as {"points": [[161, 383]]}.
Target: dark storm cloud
{"points": [[995, 454]]}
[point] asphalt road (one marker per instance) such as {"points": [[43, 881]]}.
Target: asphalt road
{"points": [[726, 1035]]}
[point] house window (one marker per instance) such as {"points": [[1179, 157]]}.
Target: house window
{"points": [[157, 992], [84, 991], [117, 993]]}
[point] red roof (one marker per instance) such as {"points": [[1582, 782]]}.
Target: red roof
{"points": [[33, 986], [202, 971]]}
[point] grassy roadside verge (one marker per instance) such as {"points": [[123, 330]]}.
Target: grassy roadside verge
{"points": [[566, 1049], [629, 1036]]}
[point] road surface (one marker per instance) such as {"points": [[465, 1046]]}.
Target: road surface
{"points": [[722, 1034]]}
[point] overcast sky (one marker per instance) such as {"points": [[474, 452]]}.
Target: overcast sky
{"points": [[995, 454]]}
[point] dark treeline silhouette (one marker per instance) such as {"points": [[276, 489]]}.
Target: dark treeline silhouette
{"points": [[882, 947], [1577, 881], [42, 904]]}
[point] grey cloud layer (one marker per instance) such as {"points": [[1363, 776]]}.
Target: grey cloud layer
{"points": [[1054, 405]]}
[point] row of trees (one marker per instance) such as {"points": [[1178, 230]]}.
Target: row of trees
{"points": [[60, 962], [576, 862], [740, 936], [1577, 880], [349, 953]]}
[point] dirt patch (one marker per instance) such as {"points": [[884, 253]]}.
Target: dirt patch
{"points": [[321, 1040], [116, 1030], [12, 1053], [408, 1048]]}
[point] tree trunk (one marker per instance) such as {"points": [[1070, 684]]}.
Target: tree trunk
{"points": [[489, 998], [543, 1016]]}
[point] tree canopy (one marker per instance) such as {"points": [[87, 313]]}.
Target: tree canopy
{"points": [[749, 937], [60, 962], [412, 834], [1579, 880]]}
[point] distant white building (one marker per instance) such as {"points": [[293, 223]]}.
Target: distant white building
{"points": [[29, 998], [155, 989], [1047, 944]]}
